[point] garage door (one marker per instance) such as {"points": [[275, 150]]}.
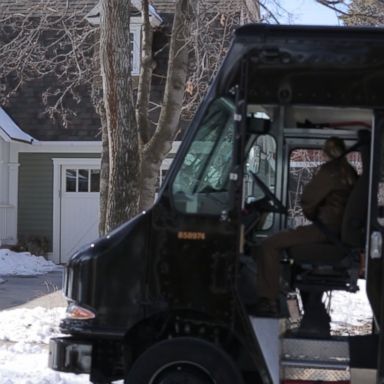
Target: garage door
{"points": [[79, 208]]}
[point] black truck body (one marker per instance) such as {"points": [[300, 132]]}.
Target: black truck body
{"points": [[164, 297]]}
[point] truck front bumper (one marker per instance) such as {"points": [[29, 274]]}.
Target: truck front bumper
{"points": [[68, 354]]}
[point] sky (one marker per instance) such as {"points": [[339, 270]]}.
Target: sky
{"points": [[309, 12]]}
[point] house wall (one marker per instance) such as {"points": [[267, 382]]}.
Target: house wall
{"points": [[35, 201], [7, 199]]}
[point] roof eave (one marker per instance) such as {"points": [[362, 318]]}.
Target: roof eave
{"points": [[93, 17]]}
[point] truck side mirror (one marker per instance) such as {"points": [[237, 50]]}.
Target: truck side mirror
{"points": [[258, 123]]}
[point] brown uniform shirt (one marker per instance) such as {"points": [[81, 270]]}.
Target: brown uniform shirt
{"points": [[325, 196]]}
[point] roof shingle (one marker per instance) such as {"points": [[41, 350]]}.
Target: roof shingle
{"points": [[24, 6]]}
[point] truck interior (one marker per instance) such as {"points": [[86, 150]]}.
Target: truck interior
{"points": [[282, 151], [313, 269]]}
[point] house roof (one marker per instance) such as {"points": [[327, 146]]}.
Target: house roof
{"points": [[17, 6], [93, 15], [78, 6], [10, 131], [164, 6]]}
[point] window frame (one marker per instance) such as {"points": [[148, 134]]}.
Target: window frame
{"points": [[135, 31], [229, 106], [77, 169]]}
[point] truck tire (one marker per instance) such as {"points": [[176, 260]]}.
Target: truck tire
{"points": [[184, 360]]}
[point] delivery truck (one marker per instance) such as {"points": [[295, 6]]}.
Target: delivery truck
{"points": [[168, 297]]}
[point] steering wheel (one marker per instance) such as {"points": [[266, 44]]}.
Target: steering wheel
{"points": [[277, 206]]}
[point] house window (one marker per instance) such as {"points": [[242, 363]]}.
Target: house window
{"points": [[82, 180], [135, 37], [93, 18]]}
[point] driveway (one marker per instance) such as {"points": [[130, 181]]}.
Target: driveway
{"points": [[44, 290]]}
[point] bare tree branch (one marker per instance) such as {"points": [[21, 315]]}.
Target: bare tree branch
{"points": [[332, 4], [46, 43]]}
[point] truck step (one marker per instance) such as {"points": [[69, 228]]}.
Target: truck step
{"points": [[309, 360]]}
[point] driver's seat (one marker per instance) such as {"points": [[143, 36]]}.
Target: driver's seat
{"points": [[335, 265]]}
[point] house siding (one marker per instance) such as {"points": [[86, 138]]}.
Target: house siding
{"points": [[35, 200]]}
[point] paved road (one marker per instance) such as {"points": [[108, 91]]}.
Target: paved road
{"points": [[20, 290]]}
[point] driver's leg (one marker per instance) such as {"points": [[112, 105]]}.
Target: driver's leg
{"points": [[268, 260]]}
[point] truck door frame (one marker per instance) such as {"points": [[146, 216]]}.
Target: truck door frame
{"points": [[375, 232]]}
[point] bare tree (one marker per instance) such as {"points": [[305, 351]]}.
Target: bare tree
{"points": [[357, 12], [200, 37], [159, 144], [369, 12], [133, 145]]}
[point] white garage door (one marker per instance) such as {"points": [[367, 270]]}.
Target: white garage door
{"points": [[79, 208]]}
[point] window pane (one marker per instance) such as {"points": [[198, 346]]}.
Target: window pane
{"points": [[303, 164], [261, 161], [83, 180], [131, 46], [95, 180], [201, 185], [70, 180]]}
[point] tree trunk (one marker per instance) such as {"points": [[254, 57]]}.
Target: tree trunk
{"points": [[104, 173], [123, 140], [253, 8], [146, 66], [161, 143]]}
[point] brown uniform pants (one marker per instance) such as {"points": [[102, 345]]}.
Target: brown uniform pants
{"points": [[268, 260]]}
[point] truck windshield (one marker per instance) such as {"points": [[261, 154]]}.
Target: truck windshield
{"points": [[201, 185]]}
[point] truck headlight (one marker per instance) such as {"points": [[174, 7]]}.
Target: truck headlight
{"points": [[76, 312]]}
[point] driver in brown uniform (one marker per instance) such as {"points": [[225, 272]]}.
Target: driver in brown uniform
{"points": [[324, 199]]}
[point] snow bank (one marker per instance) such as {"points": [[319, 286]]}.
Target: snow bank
{"points": [[27, 364], [24, 337], [35, 325], [23, 264]]}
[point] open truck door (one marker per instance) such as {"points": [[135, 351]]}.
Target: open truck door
{"points": [[374, 254]]}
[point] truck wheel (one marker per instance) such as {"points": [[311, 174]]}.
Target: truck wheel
{"points": [[184, 360]]}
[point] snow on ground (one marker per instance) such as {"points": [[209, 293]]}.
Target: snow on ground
{"points": [[23, 263], [351, 312], [25, 333], [24, 337]]}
